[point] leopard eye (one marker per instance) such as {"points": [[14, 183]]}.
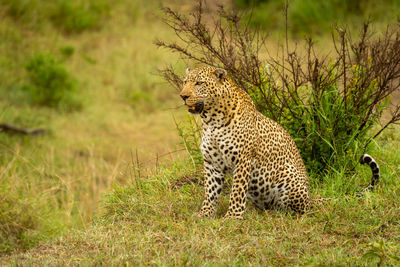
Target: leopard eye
{"points": [[198, 83]]}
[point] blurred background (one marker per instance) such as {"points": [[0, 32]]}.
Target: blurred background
{"points": [[316, 18], [86, 73]]}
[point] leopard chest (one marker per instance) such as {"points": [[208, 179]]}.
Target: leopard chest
{"points": [[220, 147]]}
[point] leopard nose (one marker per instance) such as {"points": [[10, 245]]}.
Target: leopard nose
{"points": [[184, 97]]}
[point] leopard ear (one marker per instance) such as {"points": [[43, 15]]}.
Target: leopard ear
{"points": [[220, 73], [187, 70]]}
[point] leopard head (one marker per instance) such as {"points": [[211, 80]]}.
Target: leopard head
{"points": [[202, 87]]}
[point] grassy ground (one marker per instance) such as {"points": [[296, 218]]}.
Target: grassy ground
{"points": [[152, 222], [92, 191], [53, 182]]}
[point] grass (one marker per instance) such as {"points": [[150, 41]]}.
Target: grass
{"points": [[79, 195], [152, 221], [53, 183]]}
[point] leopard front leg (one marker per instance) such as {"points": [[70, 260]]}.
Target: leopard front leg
{"points": [[213, 183], [241, 177]]}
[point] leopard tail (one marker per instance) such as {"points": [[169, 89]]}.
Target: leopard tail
{"points": [[367, 159]]}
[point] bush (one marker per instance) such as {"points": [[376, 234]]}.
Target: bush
{"points": [[19, 8], [329, 127], [50, 84], [328, 104], [71, 16], [77, 16]]}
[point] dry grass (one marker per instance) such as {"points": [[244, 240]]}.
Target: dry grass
{"points": [[59, 178]]}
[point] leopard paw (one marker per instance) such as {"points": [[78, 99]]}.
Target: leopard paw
{"points": [[203, 213], [233, 216]]}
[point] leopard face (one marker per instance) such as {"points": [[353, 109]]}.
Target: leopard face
{"points": [[200, 88]]}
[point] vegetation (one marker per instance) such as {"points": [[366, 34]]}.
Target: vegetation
{"points": [[151, 221], [107, 183], [54, 182], [50, 83], [70, 16], [307, 17]]}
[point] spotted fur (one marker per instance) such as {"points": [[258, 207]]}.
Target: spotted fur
{"points": [[266, 164]]}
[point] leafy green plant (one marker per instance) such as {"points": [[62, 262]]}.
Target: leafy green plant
{"points": [[50, 84], [67, 51], [77, 16]]}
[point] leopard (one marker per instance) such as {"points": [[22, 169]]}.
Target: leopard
{"points": [[266, 166]]}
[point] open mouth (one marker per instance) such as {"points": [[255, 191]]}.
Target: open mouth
{"points": [[197, 108]]}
